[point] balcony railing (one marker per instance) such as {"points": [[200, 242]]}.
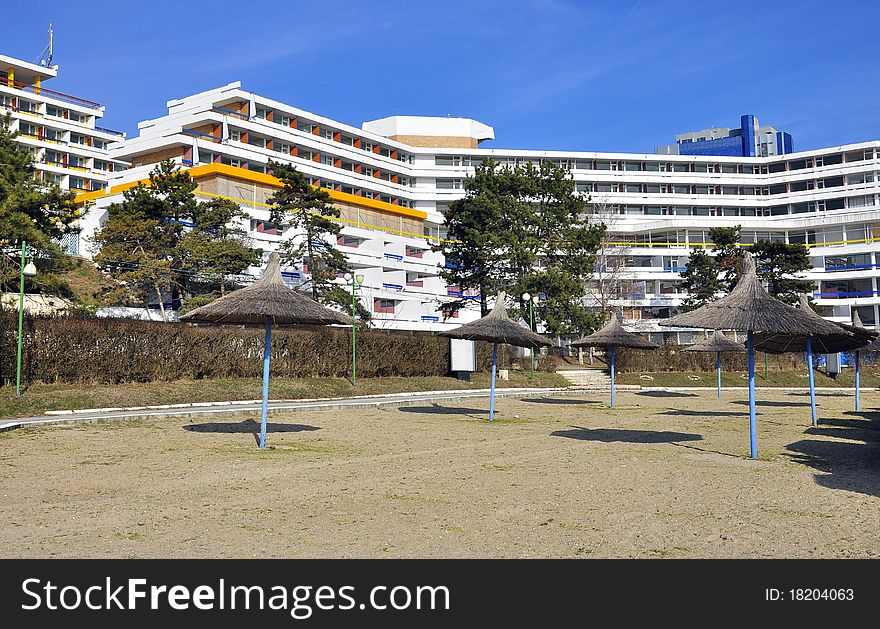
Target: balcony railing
{"points": [[845, 295], [67, 98], [110, 131]]}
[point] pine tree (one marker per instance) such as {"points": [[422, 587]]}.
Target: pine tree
{"points": [[523, 229], [161, 239], [35, 211], [701, 279], [777, 262], [309, 212], [727, 252]]}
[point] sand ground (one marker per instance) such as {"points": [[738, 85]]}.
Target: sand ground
{"points": [[664, 475]]}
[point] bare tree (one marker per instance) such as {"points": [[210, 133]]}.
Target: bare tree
{"points": [[612, 282]]}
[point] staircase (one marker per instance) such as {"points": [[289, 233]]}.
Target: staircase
{"points": [[587, 378]]}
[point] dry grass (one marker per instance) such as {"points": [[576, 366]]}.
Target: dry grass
{"points": [[664, 476], [42, 397]]}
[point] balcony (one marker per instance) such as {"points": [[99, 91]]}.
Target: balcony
{"points": [[67, 98]]}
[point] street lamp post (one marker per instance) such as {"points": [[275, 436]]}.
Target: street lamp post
{"points": [[532, 301], [356, 281], [26, 270]]}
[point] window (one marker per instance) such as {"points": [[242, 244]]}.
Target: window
{"points": [[305, 127], [449, 184], [77, 183], [235, 135], [447, 160], [383, 306], [859, 178], [348, 241], [265, 227]]}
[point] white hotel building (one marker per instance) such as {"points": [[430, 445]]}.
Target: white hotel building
{"points": [[59, 130], [393, 177]]}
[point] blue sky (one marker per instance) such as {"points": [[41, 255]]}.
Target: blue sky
{"points": [[546, 74]]}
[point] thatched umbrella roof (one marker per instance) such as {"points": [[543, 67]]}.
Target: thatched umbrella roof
{"points": [[496, 327], [874, 345], [749, 307], [613, 335], [269, 297], [846, 338], [716, 343]]}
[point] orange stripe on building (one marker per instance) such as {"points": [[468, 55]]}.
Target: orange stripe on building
{"points": [[243, 174]]}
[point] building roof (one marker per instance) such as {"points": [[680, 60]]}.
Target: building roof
{"points": [[432, 126]]}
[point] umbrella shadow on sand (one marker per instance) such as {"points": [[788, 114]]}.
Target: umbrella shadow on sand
{"points": [[553, 400], [614, 435], [666, 394], [771, 403], [247, 426], [849, 460], [690, 413], [437, 409]]}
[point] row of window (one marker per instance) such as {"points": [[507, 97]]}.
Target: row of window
{"points": [[79, 184], [862, 178], [59, 136], [671, 167], [856, 233], [66, 160], [210, 157], [293, 150], [20, 104], [308, 126]]}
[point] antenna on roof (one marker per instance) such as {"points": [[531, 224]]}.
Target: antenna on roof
{"points": [[48, 52]]}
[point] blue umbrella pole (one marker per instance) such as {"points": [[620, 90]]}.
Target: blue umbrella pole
{"points": [[857, 379], [612, 377], [812, 382], [492, 390], [266, 358], [753, 424], [718, 354]]}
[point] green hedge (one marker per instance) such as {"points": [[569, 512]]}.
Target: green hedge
{"points": [[82, 349], [672, 358]]}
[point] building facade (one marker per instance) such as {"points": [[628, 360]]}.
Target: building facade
{"points": [[750, 140], [61, 131], [393, 177]]}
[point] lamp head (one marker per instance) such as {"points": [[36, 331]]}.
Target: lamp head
{"points": [[526, 296], [347, 277], [30, 269]]}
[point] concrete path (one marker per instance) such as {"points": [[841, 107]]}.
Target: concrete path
{"points": [[365, 401], [209, 408]]}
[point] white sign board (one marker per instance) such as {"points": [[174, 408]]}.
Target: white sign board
{"points": [[463, 355]]}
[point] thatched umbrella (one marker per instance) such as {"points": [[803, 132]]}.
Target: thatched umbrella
{"points": [[846, 338], [267, 301], [717, 343], [611, 336], [874, 345], [496, 327], [752, 309]]}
